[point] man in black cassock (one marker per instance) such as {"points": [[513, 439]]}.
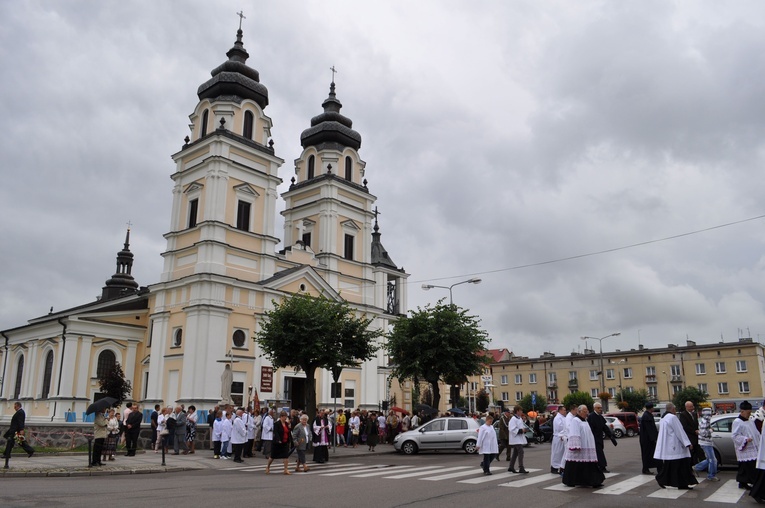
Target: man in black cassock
{"points": [[599, 427], [648, 435]]}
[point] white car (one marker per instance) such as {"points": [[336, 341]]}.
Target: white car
{"points": [[616, 426]]}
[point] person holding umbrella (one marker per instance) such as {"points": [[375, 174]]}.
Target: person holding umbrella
{"points": [[99, 436]]}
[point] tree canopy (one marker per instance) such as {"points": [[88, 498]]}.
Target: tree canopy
{"points": [[578, 398], [309, 333], [435, 344], [539, 407], [113, 384], [632, 401], [689, 393]]}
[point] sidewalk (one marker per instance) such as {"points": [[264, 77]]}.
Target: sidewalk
{"points": [[76, 464]]}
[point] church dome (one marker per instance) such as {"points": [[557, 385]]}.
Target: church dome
{"points": [[234, 78], [331, 128]]}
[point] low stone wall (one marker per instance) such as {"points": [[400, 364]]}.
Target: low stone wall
{"points": [[72, 435]]}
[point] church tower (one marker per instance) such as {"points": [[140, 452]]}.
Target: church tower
{"points": [[329, 212], [221, 240]]}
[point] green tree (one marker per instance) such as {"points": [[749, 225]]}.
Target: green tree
{"points": [[689, 393], [578, 398], [113, 384], [527, 406], [632, 401], [309, 333], [481, 400], [435, 344]]}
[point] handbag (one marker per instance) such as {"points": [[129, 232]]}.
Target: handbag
{"points": [[164, 432], [355, 432]]}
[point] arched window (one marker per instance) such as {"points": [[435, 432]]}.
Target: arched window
{"points": [[47, 375], [19, 377], [106, 363], [248, 121], [178, 337], [203, 130], [348, 169], [311, 164]]}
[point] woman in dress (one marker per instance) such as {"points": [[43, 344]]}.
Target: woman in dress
{"points": [[355, 424], [340, 429], [191, 428], [282, 442], [371, 430], [113, 433]]}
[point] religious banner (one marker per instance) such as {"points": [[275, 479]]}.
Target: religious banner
{"points": [[267, 379]]}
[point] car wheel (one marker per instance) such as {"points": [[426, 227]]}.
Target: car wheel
{"points": [[630, 432], [469, 446], [409, 448], [618, 433]]}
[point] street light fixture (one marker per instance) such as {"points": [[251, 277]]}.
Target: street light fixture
{"points": [[602, 374], [426, 287]]}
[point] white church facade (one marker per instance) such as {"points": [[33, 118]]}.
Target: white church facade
{"points": [[223, 269]]}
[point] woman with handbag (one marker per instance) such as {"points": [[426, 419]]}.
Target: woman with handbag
{"points": [[355, 424], [301, 436], [113, 434], [282, 442]]}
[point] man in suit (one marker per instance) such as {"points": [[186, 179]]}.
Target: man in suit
{"points": [[17, 425], [690, 422], [599, 427], [649, 434], [132, 430], [504, 434]]}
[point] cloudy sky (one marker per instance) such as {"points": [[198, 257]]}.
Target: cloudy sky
{"points": [[498, 135]]}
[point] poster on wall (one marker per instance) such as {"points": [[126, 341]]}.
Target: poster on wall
{"points": [[267, 379]]}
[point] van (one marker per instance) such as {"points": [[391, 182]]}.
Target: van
{"points": [[630, 421]]}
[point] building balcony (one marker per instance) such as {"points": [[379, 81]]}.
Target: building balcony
{"points": [[573, 383], [650, 380], [552, 386], [676, 379]]}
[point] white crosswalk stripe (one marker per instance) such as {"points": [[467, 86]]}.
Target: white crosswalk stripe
{"points": [[384, 471], [669, 493], [626, 485], [727, 493], [423, 472], [494, 477], [532, 480]]}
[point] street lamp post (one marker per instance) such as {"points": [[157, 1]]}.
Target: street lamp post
{"points": [[602, 374], [451, 299]]}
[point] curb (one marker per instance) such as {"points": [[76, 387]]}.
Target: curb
{"points": [[101, 472]]}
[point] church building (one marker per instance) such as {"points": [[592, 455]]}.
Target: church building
{"points": [[223, 269]]}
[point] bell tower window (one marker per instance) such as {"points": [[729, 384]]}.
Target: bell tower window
{"points": [[247, 128], [311, 167], [205, 117], [193, 210], [19, 377], [47, 375], [348, 247], [348, 169], [243, 215]]}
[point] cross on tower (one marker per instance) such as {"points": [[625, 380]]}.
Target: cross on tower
{"points": [[241, 17], [129, 224], [376, 212], [333, 73]]}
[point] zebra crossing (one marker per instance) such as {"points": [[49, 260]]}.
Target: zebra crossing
{"points": [[617, 484]]}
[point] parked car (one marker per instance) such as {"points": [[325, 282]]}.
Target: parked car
{"points": [[630, 421], [722, 442], [547, 431], [439, 434], [617, 427]]}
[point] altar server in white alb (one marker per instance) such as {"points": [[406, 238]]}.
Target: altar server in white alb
{"points": [[558, 441], [487, 444], [746, 441], [673, 448]]}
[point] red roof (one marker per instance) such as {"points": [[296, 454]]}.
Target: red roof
{"points": [[497, 355]]}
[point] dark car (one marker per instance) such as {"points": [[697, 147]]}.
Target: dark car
{"points": [[630, 421], [546, 430]]}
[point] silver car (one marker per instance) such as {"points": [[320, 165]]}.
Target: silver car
{"points": [[439, 434], [722, 442]]}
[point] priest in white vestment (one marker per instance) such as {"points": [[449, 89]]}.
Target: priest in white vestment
{"points": [[746, 442], [558, 441], [673, 448], [486, 444], [581, 467], [758, 489]]}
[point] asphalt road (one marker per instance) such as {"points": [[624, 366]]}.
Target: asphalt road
{"points": [[379, 480]]}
